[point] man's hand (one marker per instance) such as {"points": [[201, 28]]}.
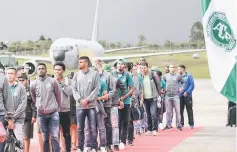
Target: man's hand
{"points": [[121, 105], [58, 78], [185, 94], [11, 124], [84, 103], [2, 139], [33, 120], [122, 98], [159, 99], [158, 104], [181, 90], [141, 102]]}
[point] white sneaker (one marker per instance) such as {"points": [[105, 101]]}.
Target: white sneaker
{"points": [[121, 146], [154, 133], [161, 126], [93, 150], [86, 149], [102, 149], [148, 133]]}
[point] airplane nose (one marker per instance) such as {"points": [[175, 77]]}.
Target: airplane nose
{"points": [[59, 55]]}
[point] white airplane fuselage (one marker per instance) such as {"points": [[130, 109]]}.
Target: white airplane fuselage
{"points": [[68, 51]]}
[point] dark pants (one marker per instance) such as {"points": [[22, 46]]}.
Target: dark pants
{"points": [[231, 104], [108, 126], [49, 125], [91, 116], [151, 110], [65, 124], [189, 109], [130, 127], [123, 123]]}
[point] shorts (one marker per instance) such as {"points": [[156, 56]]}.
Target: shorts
{"points": [[73, 119], [28, 129]]}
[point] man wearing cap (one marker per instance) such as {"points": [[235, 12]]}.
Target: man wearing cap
{"points": [[108, 79], [6, 105], [115, 103], [125, 78], [19, 98], [31, 112]]}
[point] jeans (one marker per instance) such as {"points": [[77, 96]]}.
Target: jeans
{"points": [[100, 129], [130, 127], [49, 125], [108, 126], [189, 108], [151, 111], [173, 102], [115, 126], [138, 126], [123, 123], [90, 114], [65, 124]]}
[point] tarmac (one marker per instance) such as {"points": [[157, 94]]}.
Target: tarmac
{"points": [[210, 113]]}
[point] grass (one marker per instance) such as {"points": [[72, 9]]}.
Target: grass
{"points": [[197, 67]]}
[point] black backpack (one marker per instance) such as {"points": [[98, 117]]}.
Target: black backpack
{"points": [[12, 144]]}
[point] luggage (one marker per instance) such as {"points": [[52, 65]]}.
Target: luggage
{"points": [[11, 143], [232, 116]]}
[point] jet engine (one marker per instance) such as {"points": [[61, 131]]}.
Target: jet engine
{"points": [[31, 66]]}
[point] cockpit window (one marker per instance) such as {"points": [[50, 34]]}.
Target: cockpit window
{"points": [[63, 48]]}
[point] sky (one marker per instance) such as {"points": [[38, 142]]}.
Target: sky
{"points": [[119, 20]]}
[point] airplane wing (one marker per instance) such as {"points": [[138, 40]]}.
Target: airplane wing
{"points": [[113, 58], [35, 58], [124, 49]]}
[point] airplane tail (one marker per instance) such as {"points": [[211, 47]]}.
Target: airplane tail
{"points": [[96, 23]]}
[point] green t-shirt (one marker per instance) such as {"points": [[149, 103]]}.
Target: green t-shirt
{"points": [[127, 80], [102, 88], [162, 84]]}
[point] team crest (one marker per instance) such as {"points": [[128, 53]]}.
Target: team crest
{"points": [[218, 28]]}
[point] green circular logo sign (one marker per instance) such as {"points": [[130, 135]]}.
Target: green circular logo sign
{"points": [[218, 28]]}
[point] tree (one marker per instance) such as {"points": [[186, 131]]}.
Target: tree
{"points": [[42, 38], [153, 46], [103, 43], [118, 44], [197, 34], [142, 40], [168, 44], [111, 45], [128, 45], [49, 39]]}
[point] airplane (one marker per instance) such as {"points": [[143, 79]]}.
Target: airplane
{"points": [[68, 50]]}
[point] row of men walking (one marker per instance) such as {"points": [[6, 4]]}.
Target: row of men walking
{"points": [[105, 102]]}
